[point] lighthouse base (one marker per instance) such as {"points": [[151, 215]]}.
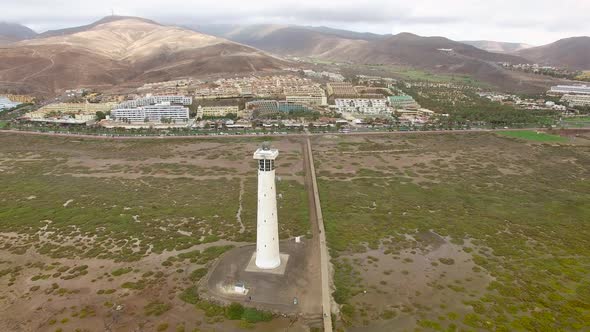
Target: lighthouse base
{"points": [[280, 270]]}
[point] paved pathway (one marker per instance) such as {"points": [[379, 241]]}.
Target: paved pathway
{"points": [[324, 255]]}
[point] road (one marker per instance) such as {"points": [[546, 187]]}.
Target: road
{"points": [[359, 133], [319, 234]]}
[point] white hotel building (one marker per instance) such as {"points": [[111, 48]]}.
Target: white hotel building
{"points": [[576, 100], [310, 99], [152, 100], [152, 113], [362, 105], [569, 89]]}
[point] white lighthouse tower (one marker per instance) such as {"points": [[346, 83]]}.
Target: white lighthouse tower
{"points": [[267, 229]]}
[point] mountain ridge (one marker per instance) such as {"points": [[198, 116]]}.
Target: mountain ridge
{"points": [[122, 50], [573, 52]]}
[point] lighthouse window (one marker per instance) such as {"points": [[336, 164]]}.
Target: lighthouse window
{"points": [[266, 165]]}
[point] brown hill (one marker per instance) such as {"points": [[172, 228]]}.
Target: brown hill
{"points": [[353, 46], [570, 52], [123, 50], [439, 54], [435, 54], [73, 30], [289, 39], [410, 49]]}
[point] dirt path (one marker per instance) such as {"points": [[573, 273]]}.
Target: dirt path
{"points": [[41, 71], [239, 213], [319, 235]]}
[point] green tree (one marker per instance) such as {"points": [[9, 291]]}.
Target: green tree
{"points": [[100, 115], [234, 311]]}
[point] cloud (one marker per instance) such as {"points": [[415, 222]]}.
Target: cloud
{"points": [[529, 21]]}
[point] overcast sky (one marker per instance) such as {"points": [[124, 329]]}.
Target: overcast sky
{"points": [[531, 21]]}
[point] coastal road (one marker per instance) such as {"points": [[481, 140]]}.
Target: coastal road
{"points": [[359, 133]]}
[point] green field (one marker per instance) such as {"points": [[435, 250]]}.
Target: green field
{"points": [[530, 135], [413, 74], [577, 122], [457, 232]]}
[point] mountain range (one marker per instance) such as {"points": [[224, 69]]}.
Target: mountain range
{"points": [[121, 50], [570, 52], [437, 54], [341, 44], [118, 49]]}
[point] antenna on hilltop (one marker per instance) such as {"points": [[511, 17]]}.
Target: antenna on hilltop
{"points": [[112, 12]]}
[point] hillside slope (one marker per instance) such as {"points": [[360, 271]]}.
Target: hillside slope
{"points": [[435, 54], [288, 39], [123, 50], [570, 52]]}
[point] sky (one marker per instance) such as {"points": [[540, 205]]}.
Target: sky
{"points": [[534, 22]]}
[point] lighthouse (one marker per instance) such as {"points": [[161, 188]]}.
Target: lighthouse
{"points": [[267, 227]]}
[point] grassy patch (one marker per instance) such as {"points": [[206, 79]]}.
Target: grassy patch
{"points": [[121, 271], [197, 274], [524, 211], [156, 308], [190, 295], [530, 135]]}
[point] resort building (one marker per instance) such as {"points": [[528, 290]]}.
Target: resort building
{"points": [[311, 99], [576, 100], [404, 101], [63, 109], [216, 111], [363, 106], [263, 107], [341, 90], [6, 103], [570, 89], [152, 113], [153, 100]]}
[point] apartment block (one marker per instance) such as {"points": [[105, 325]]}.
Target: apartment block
{"points": [[152, 113]]}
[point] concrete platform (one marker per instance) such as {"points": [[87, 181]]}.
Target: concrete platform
{"points": [[251, 267], [297, 278]]}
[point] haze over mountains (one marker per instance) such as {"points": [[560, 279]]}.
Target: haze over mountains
{"points": [[497, 47], [405, 49], [340, 44], [11, 32], [118, 49]]}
